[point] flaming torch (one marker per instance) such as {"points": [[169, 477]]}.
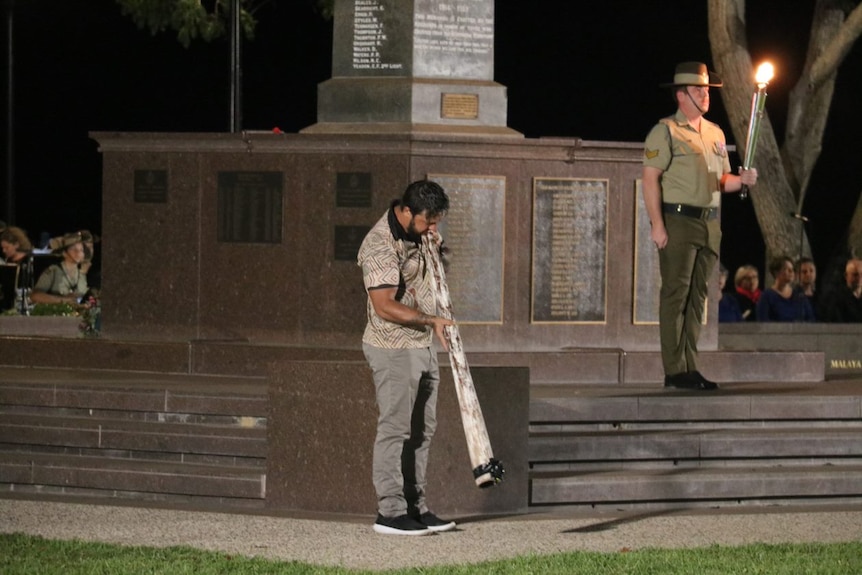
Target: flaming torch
{"points": [[758, 101]]}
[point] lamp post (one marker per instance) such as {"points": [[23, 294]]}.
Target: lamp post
{"points": [[764, 74]]}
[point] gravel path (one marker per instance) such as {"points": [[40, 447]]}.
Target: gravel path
{"points": [[350, 542]]}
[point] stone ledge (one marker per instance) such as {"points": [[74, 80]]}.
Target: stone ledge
{"points": [[44, 326]]}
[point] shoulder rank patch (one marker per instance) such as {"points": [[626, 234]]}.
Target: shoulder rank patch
{"points": [[650, 154]]}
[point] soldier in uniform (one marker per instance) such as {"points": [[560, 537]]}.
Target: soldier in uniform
{"points": [[685, 168]]}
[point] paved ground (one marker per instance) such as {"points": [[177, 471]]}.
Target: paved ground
{"points": [[350, 542]]}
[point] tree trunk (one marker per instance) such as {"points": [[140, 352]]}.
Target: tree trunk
{"points": [[854, 234], [773, 197]]}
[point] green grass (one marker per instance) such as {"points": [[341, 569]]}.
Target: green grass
{"points": [[24, 554]]}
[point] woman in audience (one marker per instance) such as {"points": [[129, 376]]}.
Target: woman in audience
{"points": [[747, 292], [15, 244], [781, 301]]}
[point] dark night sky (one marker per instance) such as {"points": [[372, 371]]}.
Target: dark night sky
{"points": [[571, 70]]}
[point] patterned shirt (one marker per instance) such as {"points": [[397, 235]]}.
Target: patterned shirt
{"points": [[390, 259], [692, 162]]}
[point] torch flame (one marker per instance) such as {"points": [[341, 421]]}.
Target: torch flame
{"points": [[764, 73]]}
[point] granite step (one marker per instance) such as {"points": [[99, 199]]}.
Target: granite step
{"points": [[112, 476], [133, 438], [687, 443], [622, 405], [710, 485], [131, 392]]}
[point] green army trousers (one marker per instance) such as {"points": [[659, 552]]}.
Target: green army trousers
{"points": [[685, 264]]}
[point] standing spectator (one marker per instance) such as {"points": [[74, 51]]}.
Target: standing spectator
{"points": [[746, 283], [402, 322], [782, 301], [845, 304], [728, 307]]}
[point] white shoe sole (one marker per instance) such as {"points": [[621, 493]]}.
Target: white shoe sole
{"points": [[441, 528], [384, 530]]}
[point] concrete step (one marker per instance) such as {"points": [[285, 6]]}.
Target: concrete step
{"points": [[695, 444], [131, 392], [692, 484], [831, 400], [130, 436], [112, 476]]}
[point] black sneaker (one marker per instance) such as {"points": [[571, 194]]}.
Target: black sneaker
{"points": [[434, 523], [401, 525]]}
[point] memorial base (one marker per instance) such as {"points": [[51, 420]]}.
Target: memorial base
{"points": [[321, 430]]}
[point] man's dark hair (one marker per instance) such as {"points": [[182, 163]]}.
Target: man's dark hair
{"points": [[803, 260], [425, 196]]}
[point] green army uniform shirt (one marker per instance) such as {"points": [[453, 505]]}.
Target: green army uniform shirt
{"points": [[692, 162]]}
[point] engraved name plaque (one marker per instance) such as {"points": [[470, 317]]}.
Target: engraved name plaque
{"points": [[151, 186], [347, 242], [250, 207], [647, 280], [569, 250], [353, 190], [474, 232], [459, 106]]}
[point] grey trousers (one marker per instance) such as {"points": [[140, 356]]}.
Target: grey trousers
{"points": [[406, 382], [686, 263]]}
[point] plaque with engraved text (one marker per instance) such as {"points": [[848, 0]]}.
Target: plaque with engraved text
{"points": [[347, 242], [647, 280], [353, 190], [569, 250], [250, 207], [151, 186], [421, 38], [474, 232]]}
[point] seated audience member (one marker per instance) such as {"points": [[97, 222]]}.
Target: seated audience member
{"points": [[845, 304], [781, 301], [17, 250], [91, 264], [728, 307], [15, 244], [747, 291], [63, 282], [806, 280]]}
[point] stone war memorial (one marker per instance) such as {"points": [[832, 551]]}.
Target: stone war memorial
{"points": [[553, 279]]}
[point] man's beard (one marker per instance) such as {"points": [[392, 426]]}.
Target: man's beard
{"points": [[412, 234]]}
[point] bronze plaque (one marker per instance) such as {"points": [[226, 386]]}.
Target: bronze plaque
{"points": [[474, 232], [353, 190], [570, 226], [151, 186], [347, 241], [250, 207], [459, 106]]}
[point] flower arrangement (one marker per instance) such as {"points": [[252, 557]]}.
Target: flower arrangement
{"points": [[88, 310]]}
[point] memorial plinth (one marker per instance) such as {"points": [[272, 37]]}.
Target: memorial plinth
{"points": [[412, 66], [258, 235]]}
